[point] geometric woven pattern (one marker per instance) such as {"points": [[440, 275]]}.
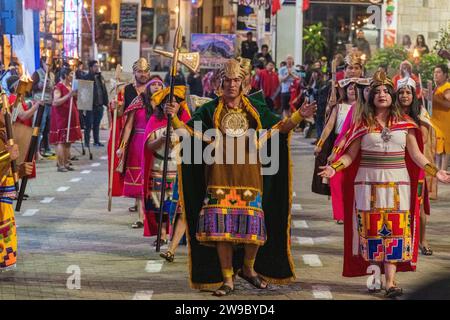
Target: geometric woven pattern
{"points": [[385, 233], [232, 214], [8, 236]]}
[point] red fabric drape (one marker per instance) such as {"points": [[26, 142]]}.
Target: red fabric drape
{"points": [[35, 4], [276, 6], [305, 5]]}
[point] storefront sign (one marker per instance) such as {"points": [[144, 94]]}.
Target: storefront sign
{"points": [[247, 19], [214, 49], [128, 26]]}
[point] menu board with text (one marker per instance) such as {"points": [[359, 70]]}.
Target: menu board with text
{"points": [[128, 26]]}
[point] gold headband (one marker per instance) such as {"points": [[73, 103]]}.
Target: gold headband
{"points": [[354, 58], [141, 65], [380, 78], [232, 69]]}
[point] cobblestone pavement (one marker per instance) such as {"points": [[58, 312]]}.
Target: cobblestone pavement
{"points": [[64, 228]]}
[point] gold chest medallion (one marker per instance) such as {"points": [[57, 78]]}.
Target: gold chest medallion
{"points": [[234, 123]]}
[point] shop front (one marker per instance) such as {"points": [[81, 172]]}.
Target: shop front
{"points": [[346, 24]]}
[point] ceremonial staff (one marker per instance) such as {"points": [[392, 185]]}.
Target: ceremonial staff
{"points": [[192, 61], [34, 138], [74, 67], [9, 136], [113, 138]]}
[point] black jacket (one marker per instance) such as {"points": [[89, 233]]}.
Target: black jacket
{"points": [[102, 87]]}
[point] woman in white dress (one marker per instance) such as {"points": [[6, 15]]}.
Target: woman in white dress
{"points": [[384, 158]]}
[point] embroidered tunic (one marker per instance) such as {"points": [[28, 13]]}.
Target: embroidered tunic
{"points": [[382, 199], [156, 176], [232, 209]]}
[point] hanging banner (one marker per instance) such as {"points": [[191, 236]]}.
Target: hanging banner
{"points": [[247, 18], [389, 22], [71, 28], [214, 49]]}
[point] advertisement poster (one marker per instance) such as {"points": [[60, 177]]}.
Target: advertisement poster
{"points": [[214, 48], [247, 18], [71, 28], [389, 16]]}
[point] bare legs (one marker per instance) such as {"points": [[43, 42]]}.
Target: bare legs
{"points": [[423, 227], [180, 229], [389, 272], [225, 252], [60, 155]]}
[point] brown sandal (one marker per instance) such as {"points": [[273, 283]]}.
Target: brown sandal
{"points": [[256, 281], [169, 256], [224, 288]]}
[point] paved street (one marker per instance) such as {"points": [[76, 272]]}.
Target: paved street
{"points": [[64, 228]]}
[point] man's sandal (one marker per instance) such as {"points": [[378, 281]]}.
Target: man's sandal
{"points": [[394, 292], [255, 281], [132, 209], [224, 290], [169, 256]]}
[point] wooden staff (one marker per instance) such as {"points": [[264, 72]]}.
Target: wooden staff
{"points": [[113, 140], [10, 137], [34, 138], [191, 60], [70, 113]]}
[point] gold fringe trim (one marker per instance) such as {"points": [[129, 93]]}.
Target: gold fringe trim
{"points": [[288, 231], [205, 286], [224, 239], [248, 106], [283, 281]]}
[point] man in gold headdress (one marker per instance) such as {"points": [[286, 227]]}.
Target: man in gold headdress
{"points": [[141, 73], [232, 224]]}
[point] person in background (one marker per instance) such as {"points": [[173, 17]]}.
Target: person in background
{"points": [[60, 120], [405, 71], [38, 85], [407, 43], [441, 114], [362, 44], [194, 81], [94, 117], [270, 83], [80, 74], [249, 48], [180, 79], [421, 46], [287, 76], [158, 62], [13, 70], [263, 56]]}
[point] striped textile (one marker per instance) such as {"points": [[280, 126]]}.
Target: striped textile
{"points": [[383, 160]]}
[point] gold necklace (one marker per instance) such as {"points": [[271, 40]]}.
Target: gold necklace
{"points": [[234, 122]]}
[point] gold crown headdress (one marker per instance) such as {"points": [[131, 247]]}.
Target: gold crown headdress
{"points": [[354, 58], [380, 78], [141, 65], [232, 69], [246, 64]]}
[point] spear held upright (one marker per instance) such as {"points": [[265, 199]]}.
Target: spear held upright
{"points": [[34, 138], [192, 61]]}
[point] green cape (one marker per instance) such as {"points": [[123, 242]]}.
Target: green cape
{"points": [[274, 261]]}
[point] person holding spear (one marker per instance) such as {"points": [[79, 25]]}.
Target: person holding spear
{"points": [[65, 125], [8, 153]]}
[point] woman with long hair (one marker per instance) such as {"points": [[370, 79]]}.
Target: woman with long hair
{"points": [[407, 101], [421, 45], [131, 148], [383, 161], [332, 129], [153, 162], [59, 119]]}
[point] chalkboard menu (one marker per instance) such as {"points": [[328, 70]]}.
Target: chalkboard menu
{"points": [[128, 27]]}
